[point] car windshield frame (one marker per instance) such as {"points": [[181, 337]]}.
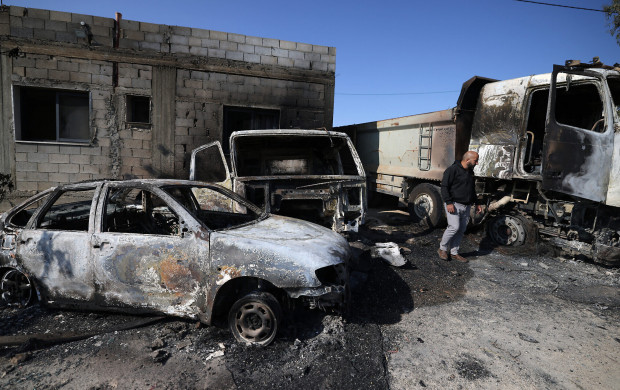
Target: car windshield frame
{"points": [[259, 213], [43, 196]]}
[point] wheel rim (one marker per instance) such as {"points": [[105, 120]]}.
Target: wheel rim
{"points": [[507, 231], [255, 322], [423, 205], [16, 289]]}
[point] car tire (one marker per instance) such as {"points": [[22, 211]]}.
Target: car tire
{"points": [[255, 318], [425, 204], [16, 289]]}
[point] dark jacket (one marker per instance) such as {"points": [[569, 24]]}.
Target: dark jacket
{"points": [[458, 185]]}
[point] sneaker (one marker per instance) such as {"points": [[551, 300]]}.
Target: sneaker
{"points": [[459, 258], [443, 255]]}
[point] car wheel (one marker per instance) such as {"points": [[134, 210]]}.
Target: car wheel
{"points": [[16, 289], [255, 318], [425, 204], [508, 230]]}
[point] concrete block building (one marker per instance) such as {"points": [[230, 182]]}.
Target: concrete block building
{"points": [[86, 97]]}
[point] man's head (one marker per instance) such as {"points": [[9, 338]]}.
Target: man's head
{"points": [[469, 160]]}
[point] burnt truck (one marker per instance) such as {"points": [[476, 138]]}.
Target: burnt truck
{"points": [[549, 149], [314, 175]]}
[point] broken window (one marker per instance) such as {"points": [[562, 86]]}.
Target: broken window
{"points": [[21, 218], [285, 155], [135, 210], [43, 114], [138, 109], [243, 118], [70, 211], [217, 209], [580, 105]]}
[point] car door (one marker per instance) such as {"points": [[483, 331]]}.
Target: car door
{"points": [[54, 246], [147, 251], [208, 164], [579, 136]]}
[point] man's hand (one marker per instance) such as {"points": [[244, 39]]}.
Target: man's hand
{"points": [[451, 209], [478, 209]]}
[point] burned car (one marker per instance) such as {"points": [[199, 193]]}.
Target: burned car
{"points": [[180, 248], [315, 175]]}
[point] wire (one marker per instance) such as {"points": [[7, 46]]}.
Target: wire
{"points": [[393, 94], [560, 5]]}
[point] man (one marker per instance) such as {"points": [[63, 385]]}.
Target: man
{"points": [[459, 193]]}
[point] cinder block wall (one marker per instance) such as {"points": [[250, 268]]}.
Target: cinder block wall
{"points": [[200, 72]]}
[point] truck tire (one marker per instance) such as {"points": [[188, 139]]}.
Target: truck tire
{"points": [[509, 230], [425, 204]]}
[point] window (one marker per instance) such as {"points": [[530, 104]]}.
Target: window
{"points": [[43, 114], [138, 109], [579, 105], [216, 208], [273, 155], [70, 211], [242, 118], [21, 218], [135, 210]]}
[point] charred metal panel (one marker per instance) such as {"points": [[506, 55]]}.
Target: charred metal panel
{"points": [[274, 249], [577, 161], [149, 271], [59, 259], [495, 161], [613, 191], [497, 126]]}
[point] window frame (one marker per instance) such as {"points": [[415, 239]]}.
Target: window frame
{"points": [[601, 94], [130, 97], [37, 219], [18, 110]]}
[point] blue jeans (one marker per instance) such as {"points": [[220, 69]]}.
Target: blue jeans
{"points": [[457, 223]]}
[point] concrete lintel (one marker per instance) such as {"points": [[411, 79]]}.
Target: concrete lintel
{"points": [[181, 61]]}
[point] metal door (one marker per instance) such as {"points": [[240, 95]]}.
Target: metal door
{"points": [[577, 152], [209, 164]]}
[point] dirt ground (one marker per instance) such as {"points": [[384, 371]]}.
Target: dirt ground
{"points": [[512, 318]]}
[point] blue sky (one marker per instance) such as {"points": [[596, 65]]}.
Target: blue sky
{"points": [[419, 51]]}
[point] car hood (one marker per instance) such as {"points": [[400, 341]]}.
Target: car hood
{"points": [[285, 251]]}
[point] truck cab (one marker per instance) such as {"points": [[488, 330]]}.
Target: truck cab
{"points": [[558, 129], [315, 175], [549, 150]]}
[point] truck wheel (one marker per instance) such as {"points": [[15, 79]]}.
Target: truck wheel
{"points": [[254, 319], [509, 230], [425, 204], [16, 289]]}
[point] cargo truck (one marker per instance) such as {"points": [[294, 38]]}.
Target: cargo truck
{"points": [[549, 164]]}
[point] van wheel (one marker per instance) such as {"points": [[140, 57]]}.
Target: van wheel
{"points": [[16, 289], [509, 230], [255, 318], [425, 204]]}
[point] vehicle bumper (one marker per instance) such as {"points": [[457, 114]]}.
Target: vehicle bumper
{"points": [[324, 297]]}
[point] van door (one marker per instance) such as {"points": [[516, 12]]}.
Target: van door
{"points": [[578, 143], [209, 164]]}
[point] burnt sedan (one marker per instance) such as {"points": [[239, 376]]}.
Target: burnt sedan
{"points": [[180, 248]]}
